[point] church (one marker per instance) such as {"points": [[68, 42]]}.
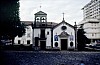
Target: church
{"points": [[46, 35]]}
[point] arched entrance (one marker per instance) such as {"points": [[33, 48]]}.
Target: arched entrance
{"points": [[64, 44], [64, 40]]}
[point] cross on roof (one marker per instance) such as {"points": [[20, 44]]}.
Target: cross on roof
{"points": [[40, 7], [63, 16]]}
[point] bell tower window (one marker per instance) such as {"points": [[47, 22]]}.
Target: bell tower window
{"points": [[43, 19], [38, 19]]}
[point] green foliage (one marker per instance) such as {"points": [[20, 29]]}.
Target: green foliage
{"points": [[82, 39], [10, 24]]}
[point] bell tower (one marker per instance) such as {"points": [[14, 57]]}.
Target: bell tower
{"points": [[40, 22], [40, 19]]}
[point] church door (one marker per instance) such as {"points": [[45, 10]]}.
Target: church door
{"points": [[43, 45], [64, 44]]}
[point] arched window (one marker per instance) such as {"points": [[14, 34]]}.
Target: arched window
{"points": [[56, 44], [38, 19], [43, 19], [71, 44]]}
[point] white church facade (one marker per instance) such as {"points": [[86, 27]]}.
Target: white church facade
{"points": [[66, 36], [49, 35]]}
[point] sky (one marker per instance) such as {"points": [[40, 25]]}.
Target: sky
{"points": [[54, 10]]}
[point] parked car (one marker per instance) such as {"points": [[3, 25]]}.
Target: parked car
{"points": [[6, 42], [89, 45], [93, 46], [96, 46]]}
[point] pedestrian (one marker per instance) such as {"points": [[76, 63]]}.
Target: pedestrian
{"points": [[97, 64], [82, 63]]}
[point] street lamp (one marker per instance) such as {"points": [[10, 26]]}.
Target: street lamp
{"points": [[75, 27]]}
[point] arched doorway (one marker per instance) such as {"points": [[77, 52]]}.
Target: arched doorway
{"points": [[64, 40], [64, 44]]}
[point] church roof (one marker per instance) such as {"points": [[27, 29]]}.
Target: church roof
{"points": [[49, 24], [27, 22], [40, 13], [65, 23]]}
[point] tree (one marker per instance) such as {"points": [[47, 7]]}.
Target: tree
{"points": [[81, 39], [10, 24]]}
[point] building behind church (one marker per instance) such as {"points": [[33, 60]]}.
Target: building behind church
{"points": [[91, 21], [92, 9], [26, 39]]}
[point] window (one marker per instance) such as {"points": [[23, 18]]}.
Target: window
{"points": [[42, 33], [43, 24], [38, 19], [92, 34], [56, 44], [28, 41], [63, 27], [43, 19], [48, 33], [71, 44], [18, 41]]}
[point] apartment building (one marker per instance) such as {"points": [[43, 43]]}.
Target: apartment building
{"points": [[91, 20], [92, 29], [92, 9]]}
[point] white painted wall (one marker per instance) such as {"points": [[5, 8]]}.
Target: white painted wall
{"points": [[28, 36], [37, 32], [58, 31], [48, 40]]}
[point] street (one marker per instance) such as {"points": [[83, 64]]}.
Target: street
{"points": [[50, 58]]}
